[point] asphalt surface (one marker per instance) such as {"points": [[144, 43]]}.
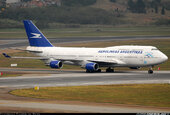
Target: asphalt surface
{"points": [[16, 42], [77, 108], [77, 78], [68, 78]]}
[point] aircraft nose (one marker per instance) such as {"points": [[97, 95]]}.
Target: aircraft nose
{"points": [[165, 58]]}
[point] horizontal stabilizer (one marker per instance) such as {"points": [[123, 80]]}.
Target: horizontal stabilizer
{"points": [[7, 56]]}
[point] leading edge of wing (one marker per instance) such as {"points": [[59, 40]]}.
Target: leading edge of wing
{"points": [[7, 56], [34, 51], [103, 61], [73, 60]]}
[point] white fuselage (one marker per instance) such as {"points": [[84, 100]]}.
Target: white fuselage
{"points": [[117, 56]]}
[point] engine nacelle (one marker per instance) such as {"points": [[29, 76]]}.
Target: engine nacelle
{"points": [[134, 67], [92, 66], [56, 64]]}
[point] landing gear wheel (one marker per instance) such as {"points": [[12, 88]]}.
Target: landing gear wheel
{"points": [[150, 71], [99, 70], [109, 70], [89, 71]]}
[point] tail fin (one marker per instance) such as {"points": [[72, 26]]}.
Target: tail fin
{"points": [[35, 37]]}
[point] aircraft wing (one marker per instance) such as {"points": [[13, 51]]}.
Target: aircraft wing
{"points": [[107, 62], [41, 58], [100, 62], [104, 62], [34, 51]]}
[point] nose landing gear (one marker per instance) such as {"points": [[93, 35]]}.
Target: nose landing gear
{"points": [[150, 71]]}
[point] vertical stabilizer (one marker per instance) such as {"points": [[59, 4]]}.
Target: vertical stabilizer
{"points": [[35, 37]]}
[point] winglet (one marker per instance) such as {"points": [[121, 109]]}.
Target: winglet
{"points": [[7, 56]]}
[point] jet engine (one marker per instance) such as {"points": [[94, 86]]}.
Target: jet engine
{"points": [[56, 64], [134, 67], [92, 67]]}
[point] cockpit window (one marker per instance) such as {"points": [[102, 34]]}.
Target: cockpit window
{"points": [[154, 49]]}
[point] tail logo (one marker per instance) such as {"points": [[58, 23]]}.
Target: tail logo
{"points": [[35, 35]]}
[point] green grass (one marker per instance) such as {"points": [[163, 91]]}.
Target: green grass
{"points": [[10, 74], [141, 94], [6, 62], [161, 44], [103, 31]]}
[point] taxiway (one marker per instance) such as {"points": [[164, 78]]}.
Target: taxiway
{"points": [[74, 78], [81, 78], [18, 42], [76, 108]]}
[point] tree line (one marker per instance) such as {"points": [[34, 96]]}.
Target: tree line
{"points": [[140, 6], [136, 7], [78, 2], [66, 15]]}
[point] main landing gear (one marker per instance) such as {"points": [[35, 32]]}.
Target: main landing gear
{"points": [[92, 71], [109, 70], [150, 71]]}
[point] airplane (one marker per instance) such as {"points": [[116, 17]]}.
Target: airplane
{"points": [[91, 59]]}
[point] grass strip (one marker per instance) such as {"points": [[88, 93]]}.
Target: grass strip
{"points": [[10, 74], [95, 32], [156, 95]]}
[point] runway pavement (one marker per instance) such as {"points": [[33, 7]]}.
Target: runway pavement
{"points": [[16, 42], [81, 78], [74, 78], [77, 108]]}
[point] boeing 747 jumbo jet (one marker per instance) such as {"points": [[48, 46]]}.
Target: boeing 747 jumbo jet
{"points": [[91, 59]]}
